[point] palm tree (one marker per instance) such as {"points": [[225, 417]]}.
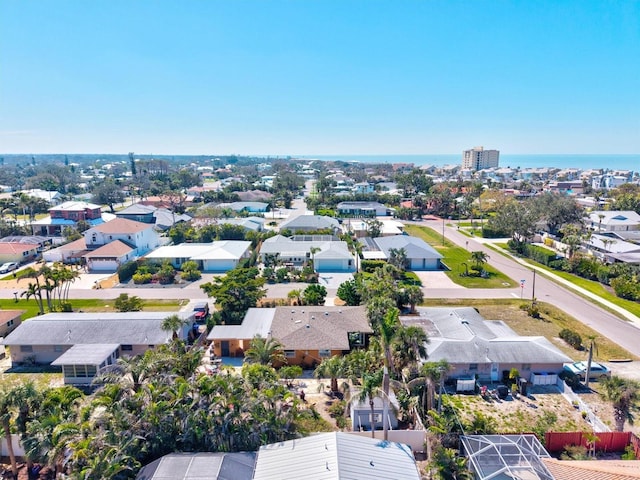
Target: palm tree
{"points": [[479, 258], [34, 289], [398, 258], [624, 395], [414, 296], [173, 323], [332, 368], [266, 351], [6, 414], [295, 296], [592, 346], [408, 347], [388, 328], [369, 390]]}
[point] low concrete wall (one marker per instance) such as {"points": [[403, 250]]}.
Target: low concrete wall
{"points": [[17, 448], [414, 438]]}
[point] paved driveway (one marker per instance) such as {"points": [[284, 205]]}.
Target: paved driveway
{"points": [[436, 279], [332, 280]]}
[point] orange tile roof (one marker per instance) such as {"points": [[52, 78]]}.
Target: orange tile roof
{"points": [[6, 315], [13, 248], [593, 469], [122, 225]]}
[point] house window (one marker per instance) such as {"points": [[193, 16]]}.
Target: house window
{"points": [[26, 348], [126, 348], [324, 353], [9, 323], [289, 353], [526, 366], [68, 371], [473, 367]]}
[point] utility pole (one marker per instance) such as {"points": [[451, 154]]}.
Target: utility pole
{"points": [[533, 290]]}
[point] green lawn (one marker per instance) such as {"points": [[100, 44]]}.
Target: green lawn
{"points": [[455, 257], [89, 305]]}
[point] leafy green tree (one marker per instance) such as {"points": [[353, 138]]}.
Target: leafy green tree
{"points": [[108, 193], [349, 293], [314, 294], [125, 303], [236, 292], [450, 466]]}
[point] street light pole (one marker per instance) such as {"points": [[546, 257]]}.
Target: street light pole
{"points": [[533, 290]]}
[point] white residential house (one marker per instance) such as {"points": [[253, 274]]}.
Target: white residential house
{"points": [[613, 220], [85, 343], [420, 255], [484, 349], [116, 242], [329, 254], [220, 256]]}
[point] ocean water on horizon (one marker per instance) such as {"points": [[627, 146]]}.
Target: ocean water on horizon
{"points": [[582, 161]]}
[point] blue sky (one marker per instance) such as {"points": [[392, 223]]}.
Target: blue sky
{"points": [[319, 77]]}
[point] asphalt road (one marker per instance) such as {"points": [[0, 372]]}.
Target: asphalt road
{"points": [[624, 333]]}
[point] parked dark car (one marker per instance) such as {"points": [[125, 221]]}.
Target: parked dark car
{"points": [[201, 312], [503, 391]]}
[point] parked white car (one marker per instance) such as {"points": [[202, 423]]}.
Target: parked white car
{"points": [[8, 267], [580, 369]]}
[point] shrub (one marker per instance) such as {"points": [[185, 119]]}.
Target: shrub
{"points": [[626, 286], [572, 338], [142, 278], [370, 266], [337, 408], [124, 303], [191, 275], [532, 310], [126, 271]]}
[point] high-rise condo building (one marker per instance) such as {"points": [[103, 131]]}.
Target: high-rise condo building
{"points": [[478, 158]]}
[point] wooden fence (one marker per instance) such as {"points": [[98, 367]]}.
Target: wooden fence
{"points": [[606, 442]]}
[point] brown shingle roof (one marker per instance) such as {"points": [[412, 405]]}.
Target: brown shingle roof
{"points": [[593, 469], [318, 328], [122, 225], [112, 249]]}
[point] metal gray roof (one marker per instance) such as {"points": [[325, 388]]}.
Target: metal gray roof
{"points": [[310, 222], [462, 335], [328, 249], [200, 466], [333, 456], [86, 354], [134, 328], [257, 321]]}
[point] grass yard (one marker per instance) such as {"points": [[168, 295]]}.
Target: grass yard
{"points": [[90, 305], [455, 257], [553, 320]]}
